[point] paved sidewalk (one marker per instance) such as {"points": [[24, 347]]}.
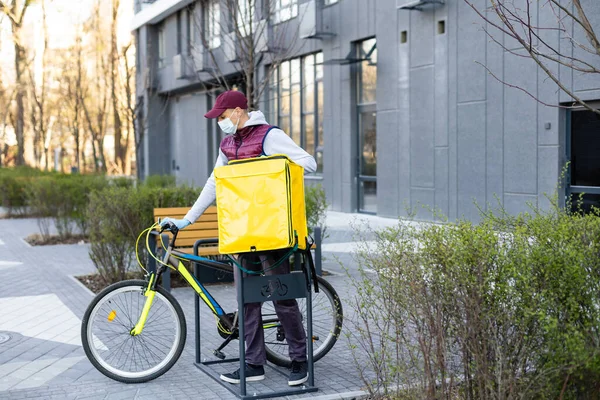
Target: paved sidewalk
{"points": [[41, 306]]}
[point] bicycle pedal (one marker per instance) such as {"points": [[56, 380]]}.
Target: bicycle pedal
{"points": [[219, 354]]}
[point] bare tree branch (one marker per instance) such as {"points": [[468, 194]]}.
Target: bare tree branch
{"points": [[587, 27], [9, 11], [512, 23]]}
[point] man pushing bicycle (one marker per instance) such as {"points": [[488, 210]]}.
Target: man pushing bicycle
{"points": [[248, 136]]}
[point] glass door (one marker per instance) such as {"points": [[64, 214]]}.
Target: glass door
{"points": [[366, 110], [583, 147]]}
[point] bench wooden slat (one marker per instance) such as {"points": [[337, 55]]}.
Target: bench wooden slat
{"points": [[206, 227], [185, 234], [202, 251], [203, 226], [205, 218], [171, 211]]}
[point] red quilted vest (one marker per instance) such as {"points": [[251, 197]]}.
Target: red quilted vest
{"points": [[246, 142]]}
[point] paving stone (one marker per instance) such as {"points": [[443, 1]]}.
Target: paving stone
{"points": [[69, 375]]}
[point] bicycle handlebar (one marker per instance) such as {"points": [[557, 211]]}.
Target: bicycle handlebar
{"points": [[171, 227]]}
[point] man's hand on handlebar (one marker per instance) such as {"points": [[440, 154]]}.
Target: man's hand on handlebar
{"points": [[168, 223]]}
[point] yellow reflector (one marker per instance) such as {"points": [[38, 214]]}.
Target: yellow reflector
{"points": [[112, 315]]}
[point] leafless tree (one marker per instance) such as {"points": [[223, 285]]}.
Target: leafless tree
{"points": [[95, 92], [40, 115], [71, 91], [15, 11], [129, 108], [114, 74], [254, 40], [90, 97], [517, 19]]}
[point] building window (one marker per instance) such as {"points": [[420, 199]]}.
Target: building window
{"points": [[583, 148], [179, 33], [212, 22], [283, 10], [244, 16], [367, 78], [330, 2], [138, 61], [296, 102], [366, 110], [191, 29], [161, 47]]}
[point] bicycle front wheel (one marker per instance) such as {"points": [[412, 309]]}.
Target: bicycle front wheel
{"points": [[106, 338], [327, 316]]}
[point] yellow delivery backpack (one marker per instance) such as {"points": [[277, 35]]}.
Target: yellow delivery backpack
{"points": [[260, 205]]}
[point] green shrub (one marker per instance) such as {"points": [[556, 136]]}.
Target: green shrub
{"points": [[13, 188], [160, 181], [13, 194], [122, 181], [507, 308], [118, 215], [63, 199], [316, 208]]}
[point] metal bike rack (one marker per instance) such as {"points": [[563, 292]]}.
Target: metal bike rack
{"points": [[251, 289]]}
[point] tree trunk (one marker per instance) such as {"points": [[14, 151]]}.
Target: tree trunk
{"points": [[95, 154], [114, 57], [16, 13], [130, 112], [102, 157], [77, 145], [46, 154]]}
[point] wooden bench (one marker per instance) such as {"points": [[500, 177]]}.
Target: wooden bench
{"points": [[206, 227], [201, 238]]}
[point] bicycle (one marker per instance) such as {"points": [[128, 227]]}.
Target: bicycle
{"points": [[134, 331]]}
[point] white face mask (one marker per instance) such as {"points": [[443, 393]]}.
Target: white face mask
{"points": [[228, 127]]}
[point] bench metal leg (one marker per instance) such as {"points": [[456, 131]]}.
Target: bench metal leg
{"points": [[318, 238], [197, 319], [166, 276]]}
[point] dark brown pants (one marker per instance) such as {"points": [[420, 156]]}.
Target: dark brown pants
{"points": [[287, 312]]}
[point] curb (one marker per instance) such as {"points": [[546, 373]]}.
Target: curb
{"points": [[72, 277], [360, 394], [25, 242]]}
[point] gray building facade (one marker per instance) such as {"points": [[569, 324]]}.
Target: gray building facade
{"points": [[395, 103]]}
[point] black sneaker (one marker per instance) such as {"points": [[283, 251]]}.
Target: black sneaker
{"points": [[299, 373], [253, 374]]}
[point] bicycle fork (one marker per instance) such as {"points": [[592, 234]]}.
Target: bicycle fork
{"points": [[149, 293]]}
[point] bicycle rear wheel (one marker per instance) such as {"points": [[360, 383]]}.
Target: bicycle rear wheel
{"points": [[106, 338], [327, 324]]}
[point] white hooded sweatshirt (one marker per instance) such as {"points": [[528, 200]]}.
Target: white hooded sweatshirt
{"points": [[276, 142]]}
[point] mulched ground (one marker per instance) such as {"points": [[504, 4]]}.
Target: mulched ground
{"points": [[38, 240], [16, 216], [96, 283]]}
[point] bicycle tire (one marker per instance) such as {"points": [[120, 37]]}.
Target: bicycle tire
{"points": [[281, 358], [88, 336]]}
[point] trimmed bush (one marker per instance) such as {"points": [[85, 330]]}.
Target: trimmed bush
{"points": [[122, 181], [14, 183], [63, 199], [118, 215], [160, 181], [507, 308]]}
